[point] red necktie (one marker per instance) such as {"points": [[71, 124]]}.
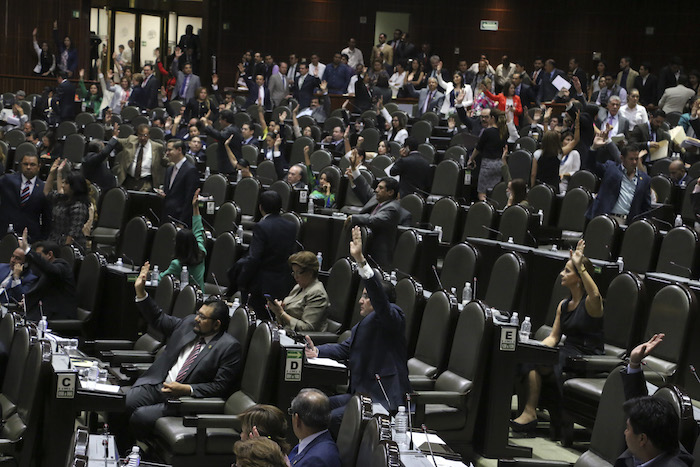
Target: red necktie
{"points": [[182, 374]]}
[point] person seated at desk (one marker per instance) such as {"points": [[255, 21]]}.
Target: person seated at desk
{"points": [[311, 414], [377, 345], [240, 164], [16, 279], [517, 193], [53, 294], [190, 248], [580, 317], [200, 359], [305, 308], [652, 422], [265, 421]]}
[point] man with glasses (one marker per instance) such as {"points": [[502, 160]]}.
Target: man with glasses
{"points": [[311, 414], [201, 359], [634, 113], [140, 164], [16, 279]]}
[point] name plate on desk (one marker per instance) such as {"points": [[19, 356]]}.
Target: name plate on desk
{"points": [[65, 385], [509, 335], [293, 365]]}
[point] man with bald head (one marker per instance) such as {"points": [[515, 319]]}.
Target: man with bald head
{"points": [[15, 278], [311, 414], [679, 176]]}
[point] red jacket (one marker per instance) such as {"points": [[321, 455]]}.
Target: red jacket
{"points": [[501, 99]]}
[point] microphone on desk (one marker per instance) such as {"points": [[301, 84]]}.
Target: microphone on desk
{"points": [[498, 232], [430, 446], [410, 425], [381, 386], [133, 265], [207, 224], [663, 378], [437, 277], [381, 271], [154, 215], [218, 287], [178, 221], [692, 370], [41, 308]]}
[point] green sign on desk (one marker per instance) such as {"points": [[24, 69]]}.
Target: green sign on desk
{"points": [[292, 368]]}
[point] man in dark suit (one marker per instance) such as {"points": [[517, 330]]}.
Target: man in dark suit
{"points": [[55, 286], [577, 71], [304, 85], [181, 182], [264, 271], [257, 89], [16, 279], [63, 102], [23, 202], [311, 413], [648, 135], [625, 191], [151, 86], [522, 90], [381, 212], [95, 167], [228, 130], [413, 170], [668, 75], [648, 87], [187, 83], [377, 345], [547, 91], [201, 359]]}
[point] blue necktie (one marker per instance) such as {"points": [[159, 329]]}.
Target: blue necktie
{"points": [[294, 453]]}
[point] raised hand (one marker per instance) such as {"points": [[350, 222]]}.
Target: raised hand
{"points": [[140, 284], [34, 31], [460, 96], [324, 85], [214, 79], [178, 52], [640, 352], [310, 349], [356, 245], [81, 73], [577, 256]]}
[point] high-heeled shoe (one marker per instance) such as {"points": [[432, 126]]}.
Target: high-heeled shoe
{"points": [[523, 427]]}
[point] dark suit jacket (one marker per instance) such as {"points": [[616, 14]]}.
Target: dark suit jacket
{"points": [[304, 94], [95, 167], [640, 135], [63, 103], [363, 95], [55, 287], [222, 159], [649, 92], [253, 94], [377, 345], [213, 373], [383, 222], [322, 451], [547, 91], [27, 280], [414, 172], [667, 79], [151, 90], [138, 98], [526, 95], [35, 215], [178, 197], [611, 174]]}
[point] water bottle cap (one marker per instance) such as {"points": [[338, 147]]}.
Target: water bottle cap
{"points": [[135, 449], [402, 408]]}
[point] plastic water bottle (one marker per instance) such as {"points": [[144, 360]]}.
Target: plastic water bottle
{"points": [[120, 263], [540, 213], [525, 329], [42, 327], [510, 240], [319, 258], [10, 228], [620, 263], [239, 176], [514, 320], [207, 172], [438, 229], [467, 177], [453, 291], [310, 206], [184, 278], [392, 278], [467, 293], [678, 222], [554, 247], [239, 235], [134, 457], [155, 276], [401, 428], [236, 303], [92, 375]]}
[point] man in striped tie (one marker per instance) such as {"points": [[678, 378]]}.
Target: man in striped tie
{"points": [[23, 202], [200, 360]]}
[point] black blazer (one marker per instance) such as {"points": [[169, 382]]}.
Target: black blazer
{"points": [[363, 95], [649, 91], [138, 98], [547, 91], [304, 94], [222, 159], [213, 373], [95, 167], [178, 197], [253, 94], [35, 215], [151, 92], [63, 103], [415, 174], [55, 288]]}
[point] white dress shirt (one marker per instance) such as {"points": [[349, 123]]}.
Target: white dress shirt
{"points": [[145, 163]]}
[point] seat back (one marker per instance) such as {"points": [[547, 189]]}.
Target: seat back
{"points": [[350, 199], [298, 222], [7, 332], [284, 189], [250, 154], [371, 136], [600, 236], [67, 128], [27, 397], [12, 384], [216, 185], [447, 178], [165, 293], [321, 159], [74, 148], [541, 198], [505, 283], [227, 218], [379, 165], [341, 288], [113, 208], [8, 245], [358, 413], [241, 327], [94, 131], [415, 205], [583, 179], [515, 222], [345, 236], [431, 117], [625, 302], [334, 175], [89, 283], [223, 255], [639, 246], [527, 143], [406, 252], [163, 248], [258, 372], [459, 267], [188, 301], [15, 137], [409, 297], [134, 240], [378, 429], [610, 418], [445, 213], [24, 149], [662, 185], [572, 215], [677, 253], [499, 195], [456, 153], [520, 164], [266, 172], [210, 152], [435, 335], [247, 195], [480, 218], [130, 112], [421, 130], [427, 150], [297, 155]]}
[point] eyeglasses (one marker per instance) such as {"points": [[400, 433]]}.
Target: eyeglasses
{"points": [[202, 316]]}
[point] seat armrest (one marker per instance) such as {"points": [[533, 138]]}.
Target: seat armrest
{"points": [[453, 399], [593, 364], [134, 370], [66, 325], [213, 421], [131, 356], [421, 383], [322, 337], [111, 344], [194, 405], [527, 462]]}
